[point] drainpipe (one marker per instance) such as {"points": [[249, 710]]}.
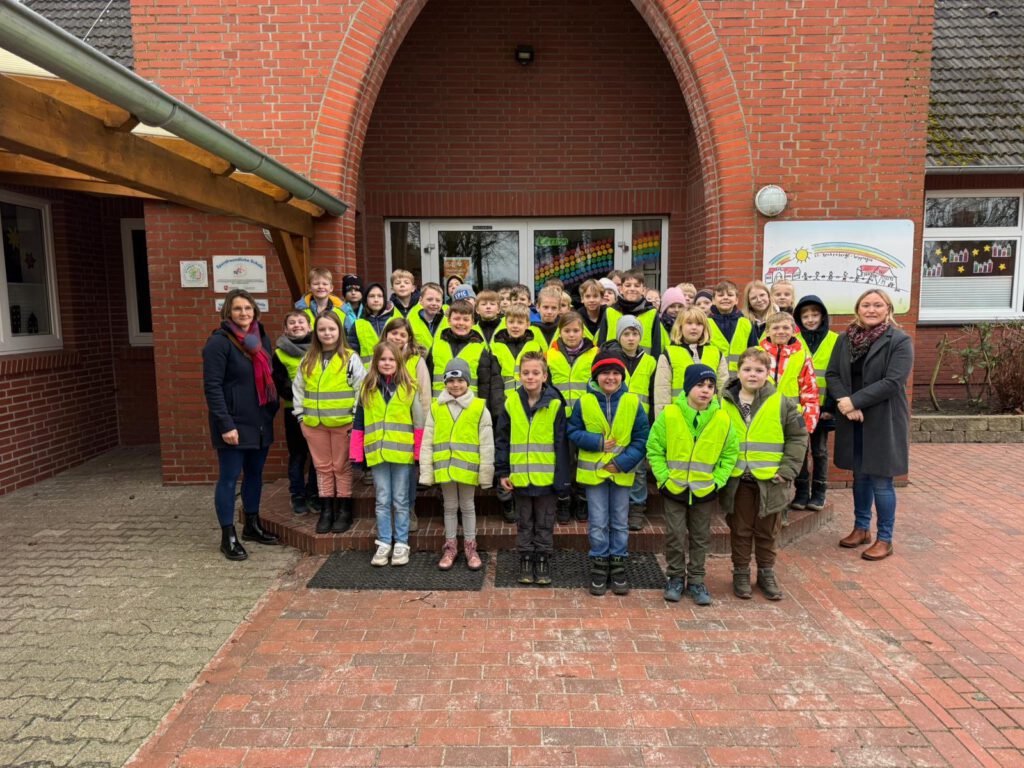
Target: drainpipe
{"points": [[34, 38]]}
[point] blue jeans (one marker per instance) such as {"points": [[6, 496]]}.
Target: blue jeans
{"points": [[608, 509], [638, 493], [868, 489], [391, 483], [234, 462]]}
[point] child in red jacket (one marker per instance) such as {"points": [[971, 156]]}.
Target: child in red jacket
{"points": [[792, 370]]}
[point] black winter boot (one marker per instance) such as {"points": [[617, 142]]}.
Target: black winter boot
{"points": [[508, 510], [299, 505], [563, 512], [343, 520], [580, 509], [803, 494], [230, 545], [541, 570], [327, 511], [767, 584], [598, 576], [620, 584], [526, 568], [817, 502], [252, 531]]}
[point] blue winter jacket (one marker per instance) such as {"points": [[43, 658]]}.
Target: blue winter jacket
{"points": [[592, 441]]}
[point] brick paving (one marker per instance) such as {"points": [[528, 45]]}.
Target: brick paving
{"points": [[913, 661], [113, 597]]}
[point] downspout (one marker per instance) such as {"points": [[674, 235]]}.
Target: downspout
{"points": [[34, 38]]}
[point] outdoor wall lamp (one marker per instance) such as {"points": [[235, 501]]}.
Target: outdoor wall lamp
{"points": [[770, 200], [524, 54]]}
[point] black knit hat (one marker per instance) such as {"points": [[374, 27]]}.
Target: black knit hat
{"points": [[697, 373], [351, 281], [607, 359]]}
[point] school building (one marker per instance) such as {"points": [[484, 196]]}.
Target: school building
{"points": [[511, 140]]}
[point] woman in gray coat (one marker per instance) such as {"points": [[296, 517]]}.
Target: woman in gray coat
{"points": [[868, 377]]}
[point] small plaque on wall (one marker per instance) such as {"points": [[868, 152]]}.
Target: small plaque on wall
{"points": [[247, 272], [194, 274]]}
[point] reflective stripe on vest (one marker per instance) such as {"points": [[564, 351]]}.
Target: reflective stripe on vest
{"points": [[510, 365], [389, 434], [532, 444], [368, 338], [789, 382], [680, 358], [820, 361], [735, 346], [639, 381], [590, 467], [442, 353], [570, 380], [762, 443], [420, 329], [648, 321], [291, 364], [329, 399], [691, 463], [457, 443]]}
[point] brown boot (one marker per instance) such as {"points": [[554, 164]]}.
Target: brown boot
{"points": [[877, 551], [857, 537]]}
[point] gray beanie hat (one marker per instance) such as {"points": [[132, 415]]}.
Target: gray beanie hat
{"points": [[625, 323], [457, 368]]}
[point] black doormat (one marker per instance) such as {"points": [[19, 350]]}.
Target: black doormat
{"points": [[570, 569], [352, 570]]}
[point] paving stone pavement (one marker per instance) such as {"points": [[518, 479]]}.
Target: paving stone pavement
{"points": [[913, 661], [113, 597]]}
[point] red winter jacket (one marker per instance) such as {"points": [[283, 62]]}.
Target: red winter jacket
{"points": [[807, 380]]}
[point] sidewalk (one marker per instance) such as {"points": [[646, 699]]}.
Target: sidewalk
{"points": [[913, 661]]}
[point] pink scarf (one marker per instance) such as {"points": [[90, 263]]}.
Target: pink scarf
{"points": [[252, 346]]}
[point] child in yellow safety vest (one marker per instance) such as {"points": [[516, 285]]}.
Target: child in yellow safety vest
{"points": [[386, 434], [324, 398], [773, 441], [791, 368], [458, 454], [692, 449], [690, 344], [609, 428], [368, 329], [531, 463], [731, 331], [812, 322]]}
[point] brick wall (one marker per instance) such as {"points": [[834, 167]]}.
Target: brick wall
{"points": [[58, 409]]}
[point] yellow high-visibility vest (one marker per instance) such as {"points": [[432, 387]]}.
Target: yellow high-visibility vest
{"points": [[329, 399], [639, 381], [457, 443], [590, 466], [734, 347], [532, 445], [291, 365], [648, 323], [691, 463], [509, 364], [442, 353], [570, 380], [680, 358], [368, 338], [388, 428], [762, 443], [820, 360]]}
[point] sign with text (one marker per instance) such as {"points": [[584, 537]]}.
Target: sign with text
{"points": [[838, 260], [246, 272]]}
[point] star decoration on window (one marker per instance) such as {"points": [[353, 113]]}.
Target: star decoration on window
{"points": [[975, 252], [988, 248], [938, 251], [944, 260], [959, 269], [1002, 267]]}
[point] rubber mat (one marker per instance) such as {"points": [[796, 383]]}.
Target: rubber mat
{"points": [[570, 569], [352, 570]]}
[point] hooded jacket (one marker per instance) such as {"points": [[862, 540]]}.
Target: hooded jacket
{"points": [[503, 439], [636, 309], [292, 348], [592, 441], [403, 309], [727, 324], [813, 339], [377, 320]]}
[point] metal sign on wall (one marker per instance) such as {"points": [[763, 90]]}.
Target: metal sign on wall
{"points": [[839, 260], [246, 272]]}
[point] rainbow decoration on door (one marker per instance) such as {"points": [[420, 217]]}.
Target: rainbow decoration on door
{"points": [[647, 248], [574, 265]]}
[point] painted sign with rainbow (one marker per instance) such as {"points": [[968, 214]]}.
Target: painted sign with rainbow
{"points": [[839, 260]]}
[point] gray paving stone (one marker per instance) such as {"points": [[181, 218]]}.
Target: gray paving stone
{"points": [[111, 606]]}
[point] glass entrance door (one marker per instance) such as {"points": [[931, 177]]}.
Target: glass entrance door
{"points": [[485, 255]]}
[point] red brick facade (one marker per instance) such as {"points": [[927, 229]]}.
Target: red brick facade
{"points": [[828, 99]]}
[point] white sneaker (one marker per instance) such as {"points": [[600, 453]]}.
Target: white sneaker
{"points": [[381, 558], [401, 555]]}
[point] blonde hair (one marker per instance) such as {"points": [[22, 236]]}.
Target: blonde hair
{"points": [[688, 288], [690, 315], [517, 312], [779, 317], [488, 296], [315, 353], [777, 283], [749, 288], [320, 272], [550, 292], [395, 274], [890, 318], [756, 354], [591, 285], [566, 299], [371, 383], [535, 356]]}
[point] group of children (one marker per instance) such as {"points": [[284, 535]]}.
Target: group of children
{"points": [[562, 410]]}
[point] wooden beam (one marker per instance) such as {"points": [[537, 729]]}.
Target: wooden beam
{"points": [[218, 166], [74, 185], [40, 126], [291, 260], [79, 98]]}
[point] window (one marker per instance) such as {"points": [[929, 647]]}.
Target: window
{"points": [[969, 256], [136, 282], [28, 292]]}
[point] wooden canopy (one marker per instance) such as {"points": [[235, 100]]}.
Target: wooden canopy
{"points": [[55, 134]]}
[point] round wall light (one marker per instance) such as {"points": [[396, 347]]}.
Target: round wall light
{"points": [[770, 200]]}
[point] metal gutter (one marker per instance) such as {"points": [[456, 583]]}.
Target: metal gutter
{"points": [[951, 170], [38, 40]]}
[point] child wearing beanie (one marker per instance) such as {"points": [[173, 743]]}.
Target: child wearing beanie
{"points": [[640, 370]]}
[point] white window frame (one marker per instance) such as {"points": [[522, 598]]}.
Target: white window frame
{"points": [[947, 316], [136, 338], [9, 343]]}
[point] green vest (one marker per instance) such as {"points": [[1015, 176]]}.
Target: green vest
{"points": [[762, 443], [570, 380], [820, 361], [457, 443], [388, 428], [639, 381], [691, 463], [329, 398], [442, 353], [590, 467], [648, 322], [420, 330], [411, 363], [680, 358], [291, 364], [734, 347], [532, 446], [510, 365], [368, 338]]}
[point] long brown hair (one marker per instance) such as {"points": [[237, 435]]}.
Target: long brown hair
{"points": [[371, 383], [315, 352], [412, 347], [748, 289]]}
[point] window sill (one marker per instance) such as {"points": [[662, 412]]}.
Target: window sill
{"points": [[966, 318], [16, 364]]}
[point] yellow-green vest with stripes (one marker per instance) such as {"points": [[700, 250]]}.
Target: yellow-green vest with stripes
{"points": [[509, 364], [442, 354], [457, 443], [532, 445], [291, 364], [420, 330], [691, 463], [762, 443], [648, 322], [734, 347], [329, 399], [368, 338], [820, 360], [388, 430], [590, 466], [570, 380], [789, 382], [639, 381], [680, 358]]}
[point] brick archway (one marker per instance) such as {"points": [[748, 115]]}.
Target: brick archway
{"points": [[689, 42]]}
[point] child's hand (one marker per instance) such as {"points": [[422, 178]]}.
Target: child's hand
{"points": [[610, 467], [506, 484], [610, 444]]}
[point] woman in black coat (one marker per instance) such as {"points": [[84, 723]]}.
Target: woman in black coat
{"points": [[242, 401], [868, 378]]}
